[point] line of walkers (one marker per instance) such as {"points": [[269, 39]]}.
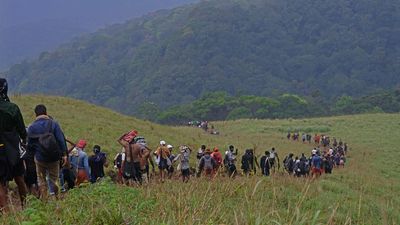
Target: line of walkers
{"points": [[134, 161], [319, 139], [37, 158]]}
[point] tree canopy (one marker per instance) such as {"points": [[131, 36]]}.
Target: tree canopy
{"points": [[324, 49]]}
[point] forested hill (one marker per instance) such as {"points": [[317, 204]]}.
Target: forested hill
{"points": [[252, 47]]}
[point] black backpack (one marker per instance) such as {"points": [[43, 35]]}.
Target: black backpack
{"points": [[49, 148]]}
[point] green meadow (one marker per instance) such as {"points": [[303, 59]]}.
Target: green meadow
{"points": [[366, 191]]}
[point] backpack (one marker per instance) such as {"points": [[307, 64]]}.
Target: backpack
{"points": [[285, 161], [217, 158], [289, 164], [302, 165], [49, 148], [185, 157], [208, 163], [272, 155]]}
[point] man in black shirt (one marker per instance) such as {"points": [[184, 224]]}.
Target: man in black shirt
{"points": [[97, 163], [12, 132]]}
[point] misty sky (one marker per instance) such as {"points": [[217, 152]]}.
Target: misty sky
{"points": [[88, 13]]}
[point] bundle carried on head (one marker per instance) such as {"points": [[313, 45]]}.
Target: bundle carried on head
{"points": [[129, 137]]}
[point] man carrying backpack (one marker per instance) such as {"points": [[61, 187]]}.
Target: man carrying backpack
{"points": [[46, 140], [12, 132], [207, 164], [97, 162], [80, 163], [304, 165], [217, 156], [289, 163], [249, 162], [316, 164]]}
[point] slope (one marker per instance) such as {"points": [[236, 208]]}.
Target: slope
{"points": [[365, 192], [263, 48]]}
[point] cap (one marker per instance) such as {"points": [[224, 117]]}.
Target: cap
{"points": [[81, 144]]}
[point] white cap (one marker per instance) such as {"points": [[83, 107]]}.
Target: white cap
{"points": [[314, 151], [162, 143], [170, 146]]}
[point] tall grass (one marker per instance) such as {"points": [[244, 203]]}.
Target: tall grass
{"points": [[366, 191]]}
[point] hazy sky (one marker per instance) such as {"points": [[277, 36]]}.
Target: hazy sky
{"points": [[87, 12], [29, 27]]}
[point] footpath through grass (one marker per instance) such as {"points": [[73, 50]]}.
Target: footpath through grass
{"points": [[365, 192]]}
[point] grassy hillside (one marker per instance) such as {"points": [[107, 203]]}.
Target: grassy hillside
{"points": [[365, 192]]}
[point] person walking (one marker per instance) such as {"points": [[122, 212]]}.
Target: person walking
{"points": [[97, 162], [12, 133], [80, 163], [47, 141]]}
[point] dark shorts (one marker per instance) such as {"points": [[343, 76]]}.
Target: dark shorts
{"points": [[8, 172], [132, 170], [163, 164], [266, 171], [128, 170], [170, 169], [185, 172], [30, 175], [272, 162], [232, 168]]}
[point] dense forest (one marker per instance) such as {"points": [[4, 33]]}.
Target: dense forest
{"points": [[245, 48], [222, 106]]}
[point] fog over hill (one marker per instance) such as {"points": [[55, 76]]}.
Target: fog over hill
{"points": [[30, 27], [243, 47]]}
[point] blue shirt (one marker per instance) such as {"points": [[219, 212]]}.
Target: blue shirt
{"points": [[316, 161], [40, 126], [81, 161]]}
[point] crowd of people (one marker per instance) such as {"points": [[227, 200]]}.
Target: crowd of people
{"points": [[211, 162], [320, 161], [37, 157], [203, 125], [40, 162]]}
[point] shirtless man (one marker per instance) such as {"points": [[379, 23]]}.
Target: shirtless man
{"points": [[145, 159], [131, 161]]}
